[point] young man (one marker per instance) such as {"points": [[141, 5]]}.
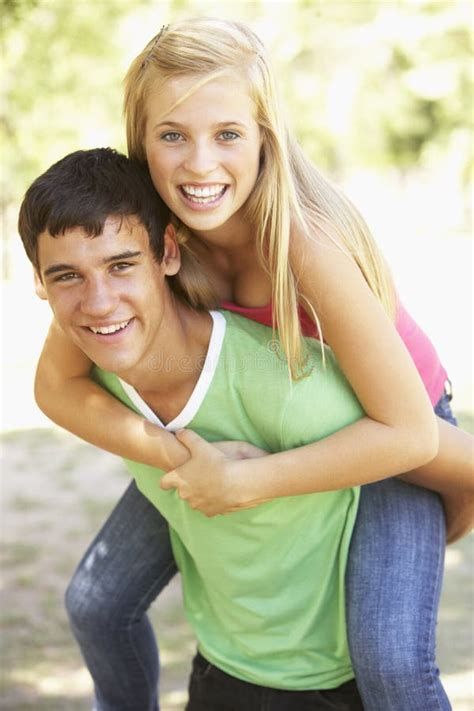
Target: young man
{"points": [[263, 587]]}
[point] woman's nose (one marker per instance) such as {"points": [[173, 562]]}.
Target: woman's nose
{"points": [[201, 159]]}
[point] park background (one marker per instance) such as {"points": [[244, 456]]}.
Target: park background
{"points": [[380, 95]]}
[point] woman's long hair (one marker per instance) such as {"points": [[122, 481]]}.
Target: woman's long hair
{"points": [[290, 193]]}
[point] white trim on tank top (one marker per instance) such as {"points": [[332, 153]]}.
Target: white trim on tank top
{"points": [[201, 387]]}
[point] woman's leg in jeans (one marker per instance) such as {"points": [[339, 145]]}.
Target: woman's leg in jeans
{"points": [[124, 569], [393, 584]]}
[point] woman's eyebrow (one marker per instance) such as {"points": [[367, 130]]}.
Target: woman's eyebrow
{"points": [[219, 124]]}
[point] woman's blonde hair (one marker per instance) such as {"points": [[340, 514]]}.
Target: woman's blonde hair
{"points": [[289, 190]]}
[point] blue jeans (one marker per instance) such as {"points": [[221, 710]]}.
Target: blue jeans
{"points": [[393, 585], [125, 568]]}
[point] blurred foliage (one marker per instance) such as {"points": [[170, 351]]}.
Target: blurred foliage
{"points": [[13, 11], [377, 84], [421, 93]]}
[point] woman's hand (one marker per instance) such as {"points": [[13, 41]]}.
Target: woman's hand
{"points": [[209, 480]]}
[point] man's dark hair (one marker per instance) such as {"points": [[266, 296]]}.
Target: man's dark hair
{"points": [[83, 190]]}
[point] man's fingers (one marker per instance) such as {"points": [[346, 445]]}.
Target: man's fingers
{"points": [[169, 481], [192, 441]]}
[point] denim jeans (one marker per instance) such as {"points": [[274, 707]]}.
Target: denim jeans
{"points": [[393, 585], [211, 689], [125, 568]]}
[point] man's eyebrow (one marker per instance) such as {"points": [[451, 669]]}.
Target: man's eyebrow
{"points": [[128, 254], [59, 268]]}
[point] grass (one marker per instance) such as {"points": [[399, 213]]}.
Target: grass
{"points": [[19, 554], [61, 492]]}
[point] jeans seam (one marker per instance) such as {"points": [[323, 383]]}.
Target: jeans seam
{"points": [[432, 626], [443, 410]]}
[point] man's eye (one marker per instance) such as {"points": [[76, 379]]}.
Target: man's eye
{"points": [[69, 276], [171, 136], [121, 266]]}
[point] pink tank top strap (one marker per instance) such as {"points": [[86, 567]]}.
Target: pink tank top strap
{"points": [[419, 346]]}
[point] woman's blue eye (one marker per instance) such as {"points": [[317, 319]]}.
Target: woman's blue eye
{"points": [[171, 136], [229, 135]]}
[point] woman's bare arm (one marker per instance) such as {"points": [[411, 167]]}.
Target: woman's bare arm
{"points": [[400, 430]]}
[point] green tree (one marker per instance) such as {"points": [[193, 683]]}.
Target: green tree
{"points": [[61, 88], [420, 93]]}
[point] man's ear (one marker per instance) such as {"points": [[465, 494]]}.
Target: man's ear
{"points": [[39, 286], [171, 255]]}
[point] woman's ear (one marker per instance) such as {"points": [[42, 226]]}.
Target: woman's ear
{"points": [[171, 255], [39, 286]]}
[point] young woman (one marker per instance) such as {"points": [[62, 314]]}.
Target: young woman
{"points": [[264, 233]]}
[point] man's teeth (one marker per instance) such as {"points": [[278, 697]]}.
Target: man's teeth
{"points": [[109, 329], [208, 193]]}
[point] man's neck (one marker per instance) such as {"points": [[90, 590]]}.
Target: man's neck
{"points": [[170, 377]]}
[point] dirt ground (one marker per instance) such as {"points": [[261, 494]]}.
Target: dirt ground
{"points": [[56, 491]]}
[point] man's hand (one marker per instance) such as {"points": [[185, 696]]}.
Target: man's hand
{"points": [[239, 450], [459, 512], [209, 480]]}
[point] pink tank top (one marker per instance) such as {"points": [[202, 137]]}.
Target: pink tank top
{"points": [[416, 341]]}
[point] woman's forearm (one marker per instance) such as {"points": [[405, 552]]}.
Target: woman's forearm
{"points": [[342, 460], [320, 467]]}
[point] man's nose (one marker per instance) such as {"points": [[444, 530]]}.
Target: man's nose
{"points": [[200, 159], [99, 299]]}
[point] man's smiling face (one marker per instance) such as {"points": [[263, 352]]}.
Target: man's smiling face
{"points": [[108, 293]]}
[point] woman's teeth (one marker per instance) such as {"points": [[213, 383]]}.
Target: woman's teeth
{"points": [[208, 193], [109, 329]]}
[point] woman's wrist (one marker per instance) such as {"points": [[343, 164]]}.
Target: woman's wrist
{"points": [[243, 485]]}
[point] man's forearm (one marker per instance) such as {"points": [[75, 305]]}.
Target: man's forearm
{"points": [[107, 423], [452, 470]]}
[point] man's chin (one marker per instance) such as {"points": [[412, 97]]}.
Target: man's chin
{"points": [[111, 365], [114, 364], [109, 359]]}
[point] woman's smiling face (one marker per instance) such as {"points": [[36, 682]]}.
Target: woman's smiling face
{"points": [[204, 153]]}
